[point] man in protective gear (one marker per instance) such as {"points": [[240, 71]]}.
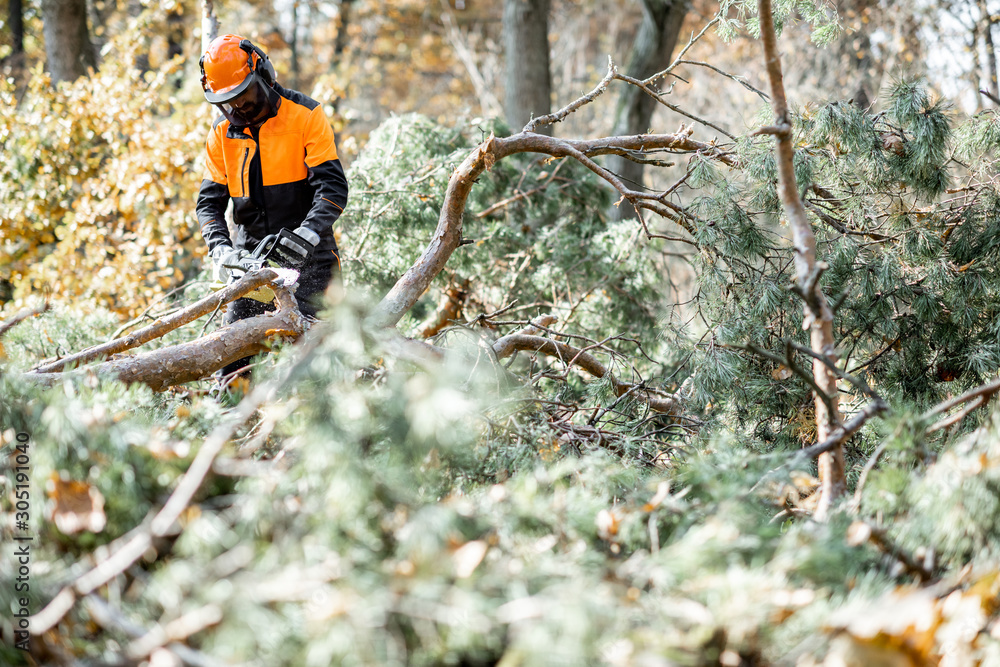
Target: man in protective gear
{"points": [[272, 153]]}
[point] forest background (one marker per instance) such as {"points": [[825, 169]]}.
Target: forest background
{"points": [[592, 438]]}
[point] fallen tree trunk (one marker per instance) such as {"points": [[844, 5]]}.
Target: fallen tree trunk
{"points": [[177, 364], [210, 303]]}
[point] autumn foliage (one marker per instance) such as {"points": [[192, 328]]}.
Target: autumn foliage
{"points": [[99, 180]]}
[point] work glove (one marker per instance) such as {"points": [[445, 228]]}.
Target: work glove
{"points": [[295, 247], [225, 260]]}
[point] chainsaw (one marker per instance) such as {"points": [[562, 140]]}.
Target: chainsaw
{"points": [[266, 254]]}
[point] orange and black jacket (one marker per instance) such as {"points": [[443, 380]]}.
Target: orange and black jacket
{"points": [[284, 173]]}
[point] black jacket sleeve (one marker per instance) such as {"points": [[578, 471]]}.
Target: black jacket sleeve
{"points": [[213, 198], [330, 198]]}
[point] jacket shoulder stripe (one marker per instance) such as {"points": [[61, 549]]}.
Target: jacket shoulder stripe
{"points": [[297, 97]]}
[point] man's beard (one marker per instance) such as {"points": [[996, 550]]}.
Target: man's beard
{"points": [[250, 114]]}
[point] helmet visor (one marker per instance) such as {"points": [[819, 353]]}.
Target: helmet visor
{"points": [[230, 93], [249, 107]]}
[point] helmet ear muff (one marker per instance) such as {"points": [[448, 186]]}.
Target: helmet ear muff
{"points": [[261, 65]]}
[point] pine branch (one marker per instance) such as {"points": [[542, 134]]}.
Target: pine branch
{"points": [[21, 316], [863, 386], [164, 520], [975, 398], [861, 532]]}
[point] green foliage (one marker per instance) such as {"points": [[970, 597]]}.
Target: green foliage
{"points": [[822, 16], [524, 514], [379, 537], [551, 250], [908, 267]]}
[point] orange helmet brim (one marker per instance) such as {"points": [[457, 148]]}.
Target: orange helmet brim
{"points": [[230, 94]]}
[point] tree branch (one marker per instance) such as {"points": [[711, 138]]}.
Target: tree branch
{"points": [[448, 234], [558, 116], [21, 316], [246, 284], [193, 360], [819, 317], [506, 345]]}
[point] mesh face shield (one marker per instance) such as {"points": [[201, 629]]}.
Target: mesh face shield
{"points": [[250, 106]]}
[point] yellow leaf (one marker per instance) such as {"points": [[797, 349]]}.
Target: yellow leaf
{"points": [[782, 372], [75, 507]]}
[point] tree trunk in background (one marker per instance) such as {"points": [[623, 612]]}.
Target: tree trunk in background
{"points": [[209, 24], [68, 50], [855, 63], [293, 44], [176, 33], [651, 53], [15, 18], [526, 45], [986, 26]]}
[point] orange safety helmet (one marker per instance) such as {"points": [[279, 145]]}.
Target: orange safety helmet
{"points": [[232, 64]]}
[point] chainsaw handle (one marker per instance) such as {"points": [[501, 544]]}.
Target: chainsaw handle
{"points": [[262, 250]]}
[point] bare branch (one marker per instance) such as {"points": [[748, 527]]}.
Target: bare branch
{"points": [[863, 386], [642, 85], [558, 116], [109, 618], [738, 79], [959, 416], [658, 401], [861, 532], [986, 391], [145, 313], [990, 96], [687, 47]]}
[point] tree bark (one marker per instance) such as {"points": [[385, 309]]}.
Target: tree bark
{"points": [[68, 49], [209, 24], [651, 53], [818, 315], [526, 44]]}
